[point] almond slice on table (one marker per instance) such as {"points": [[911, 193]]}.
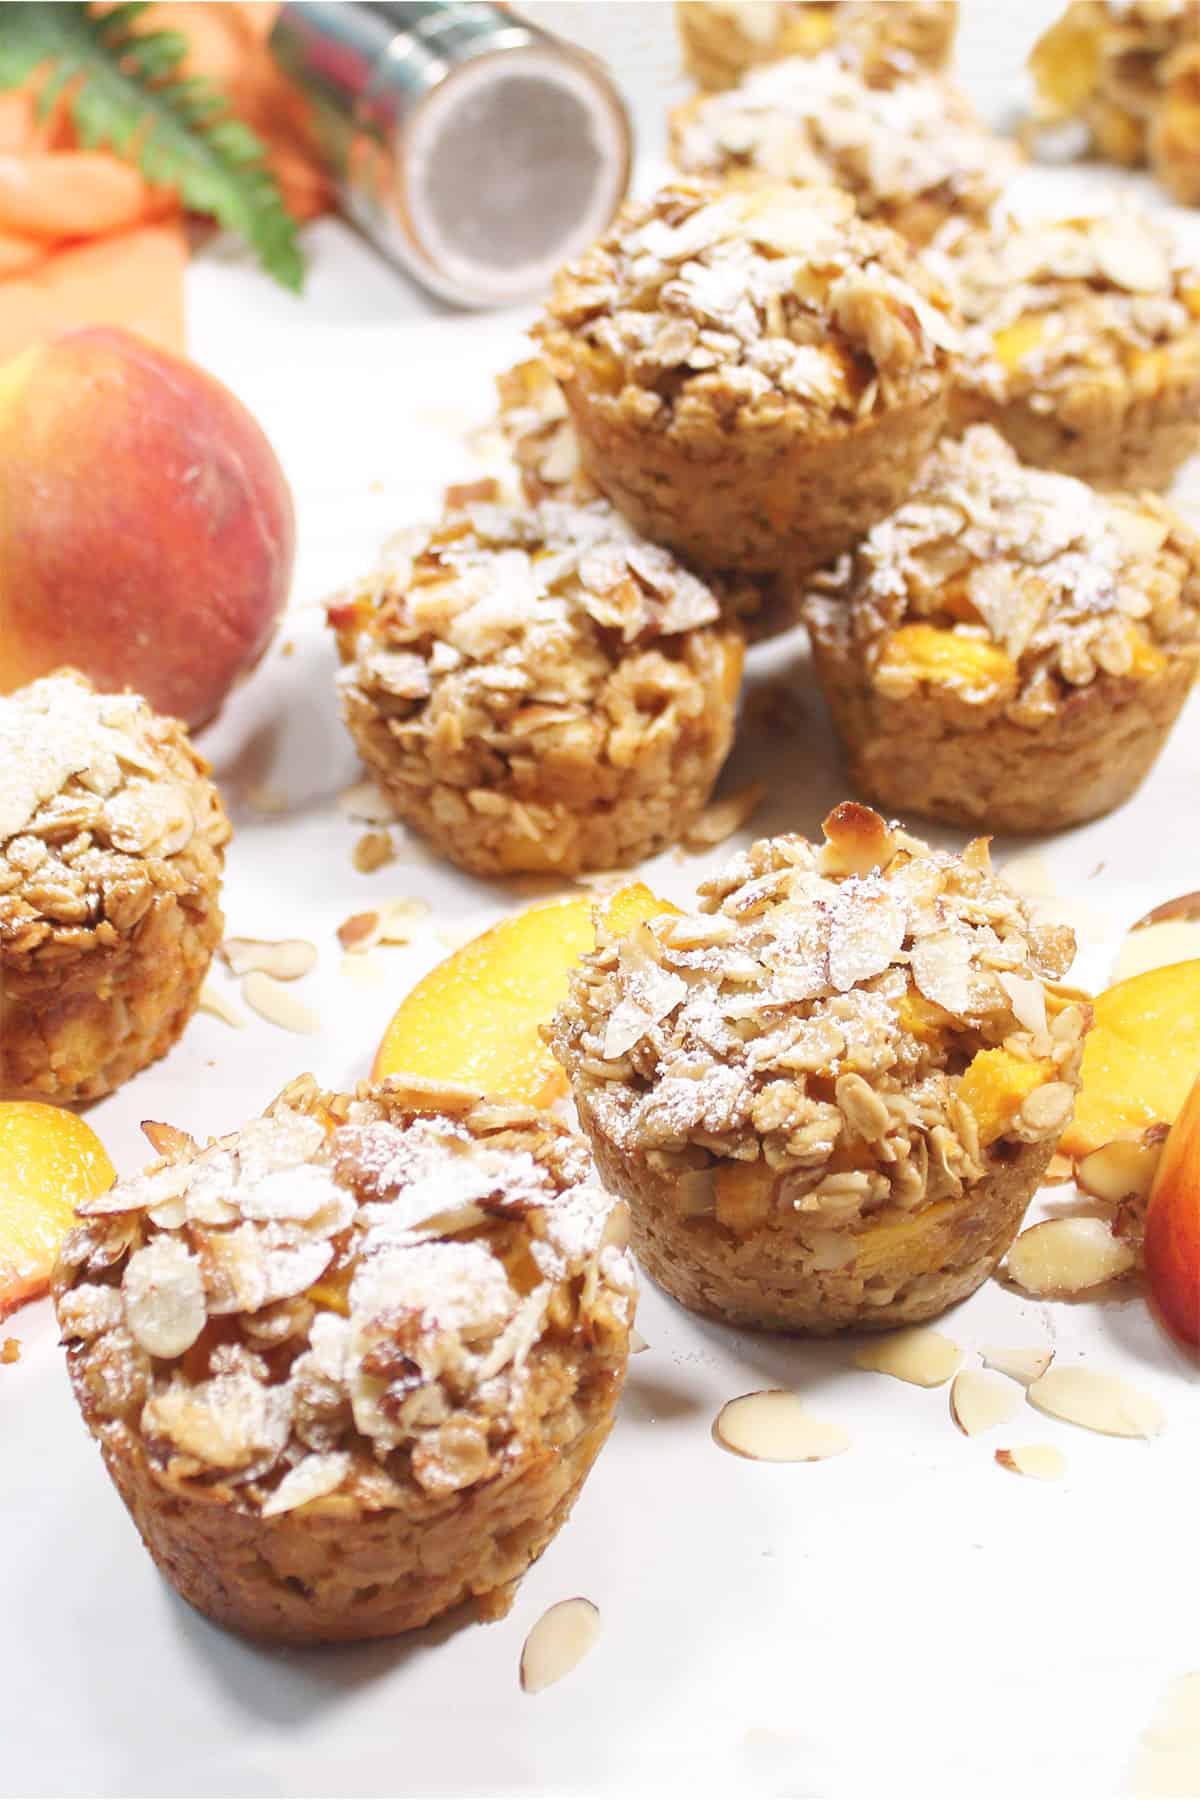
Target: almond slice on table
{"points": [[1067, 1256], [979, 1402], [168, 1140], [1018, 1364], [1122, 1169], [210, 999], [1097, 1402], [772, 1426], [271, 1000], [558, 1642], [1155, 945], [917, 1355], [372, 850], [287, 959], [367, 804], [637, 1342], [1043, 1462]]}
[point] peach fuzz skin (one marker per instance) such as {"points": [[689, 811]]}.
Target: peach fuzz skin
{"points": [[1172, 1242], [146, 527]]}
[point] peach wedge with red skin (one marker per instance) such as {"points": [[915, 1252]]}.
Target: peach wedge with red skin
{"points": [[50, 1159], [146, 527], [476, 1018], [1172, 1240]]}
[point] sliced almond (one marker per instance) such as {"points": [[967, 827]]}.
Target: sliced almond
{"points": [[1044, 1462], [399, 918], [366, 803], [772, 1426], [1068, 1256], [360, 930], [720, 820], [372, 850], [287, 959], [1186, 906], [918, 1355], [1120, 1170], [168, 1140], [1156, 945], [637, 1342], [1019, 1365], [980, 1402], [210, 999], [10, 1350], [1098, 1402], [272, 1001], [558, 1642]]}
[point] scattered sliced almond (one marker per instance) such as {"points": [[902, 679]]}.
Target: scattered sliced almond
{"points": [[1167, 1763], [372, 851], [1030, 875], [272, 1001], [360, 930], [720, 820], [1122, 1169], [1044, 1462], [772, 1426], [10, 1350], [1097, 1402], [365, 803], [918, 1355], [364, 968], [287, 959], [637, 1342], [558, 1642], [1155, 945], [168, 1140], [1019, 1365], [980, 1402], [391, 923], [265, 797], [1067, 1256], [210, 999], [1186, 906]]}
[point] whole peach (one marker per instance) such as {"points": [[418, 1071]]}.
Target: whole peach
{"points": [[146, 527]]}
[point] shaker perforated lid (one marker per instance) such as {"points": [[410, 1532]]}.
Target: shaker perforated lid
{"points": [[475, 149]]}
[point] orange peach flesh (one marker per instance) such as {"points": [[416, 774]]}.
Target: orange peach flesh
{"points": [[1140, 1057], [1172, 1240], [49, 1160]]}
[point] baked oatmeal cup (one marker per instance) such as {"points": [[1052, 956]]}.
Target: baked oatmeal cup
{"points": [[829, 1094], [111, 850], [539, 689], [1010, 649], [722, 39], [349, 1366], [909, 148], [754, 375], [1081, 344]]}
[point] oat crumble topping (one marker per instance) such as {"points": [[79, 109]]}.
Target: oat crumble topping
{"points": [[818, 1012], [347, 1294], [1069, 584], [744, 301]]}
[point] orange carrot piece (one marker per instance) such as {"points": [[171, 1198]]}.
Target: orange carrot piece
{"points": [[133, 279]]}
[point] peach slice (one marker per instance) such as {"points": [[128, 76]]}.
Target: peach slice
{"points": [[1140, 1058], [475, 1018], [1172, 1240], [49, 1160]]}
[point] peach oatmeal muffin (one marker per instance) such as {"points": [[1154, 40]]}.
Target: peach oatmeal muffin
{"points": [[910, 149], [112, 843], [721, 39], [539, 689], [1010, 649], [350, 1365], [754, 375], [829, 1094], [1082, 344]]}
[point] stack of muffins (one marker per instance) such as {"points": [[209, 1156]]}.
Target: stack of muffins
{"points": [[350, 1365]]}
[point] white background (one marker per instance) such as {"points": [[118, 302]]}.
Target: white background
{"points": [[904, 1619]]}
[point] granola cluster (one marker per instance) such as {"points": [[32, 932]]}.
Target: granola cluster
{"points": [[1067, 584], [819, 1013], [386, 1298], [522, 680], [908, 147], [723, 38], [1074, 316], [535, 422], [742, 306]]}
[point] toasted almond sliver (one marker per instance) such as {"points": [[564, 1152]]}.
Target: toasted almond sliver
{"points": [[360, 930], [1019, 1365], [923, 1357], [559, 1641], [287, 959], [168, 1140], [272, 1001], [1186, 906], [637, 1342], [372, 850], [1068, 1256], [980, 1402], [1044, 1462], [1097, 1402], [772, 1426], [720, 820], [1120, 1170], [1155, 945], [367, 804], [211, 1000]]}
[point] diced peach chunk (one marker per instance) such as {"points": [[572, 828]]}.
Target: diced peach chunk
{"points": [[915, 653], [49, 1160], [994, 1084], [1012, 343], [1140, 1057], [475, 1018], [743, 1195]]}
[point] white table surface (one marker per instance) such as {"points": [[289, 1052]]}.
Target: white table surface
{"points": [[903, 1619]]}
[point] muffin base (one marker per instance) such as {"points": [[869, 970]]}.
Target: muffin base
{"points": [[761, 498], [933, 756], [332, 1572], [766, 1280], [1143, 448]]}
